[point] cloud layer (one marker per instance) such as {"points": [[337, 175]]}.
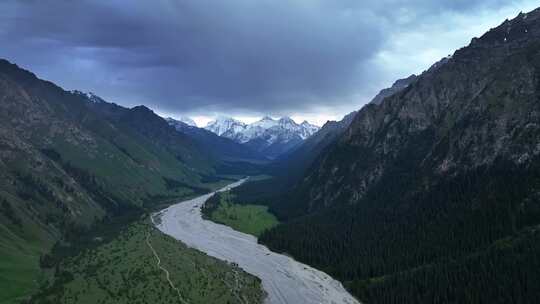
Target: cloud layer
{"points": [[239, 56]]}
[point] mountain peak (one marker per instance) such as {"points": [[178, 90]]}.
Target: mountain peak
{"points": [[273, 136], [225, 119], [184, 119], [181, 120], [267, 118], [224, 124], [142, 109], [264, 123], [90, 96], [16, 71], [287, 120], [396, 87]]}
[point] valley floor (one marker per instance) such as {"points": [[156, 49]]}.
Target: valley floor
{"points": [[247, 218], [142, 265], [284, 279]]}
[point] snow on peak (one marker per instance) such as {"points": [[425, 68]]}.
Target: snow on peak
{"points": [[188, 121], [182, 119], [224, 125], [286, 120], [266, 128], [89, 95], [265, 123], [308, 129]]}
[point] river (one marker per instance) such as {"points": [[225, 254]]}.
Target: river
{"points": [[284, 279]]}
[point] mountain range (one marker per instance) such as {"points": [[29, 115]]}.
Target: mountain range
{"points": [[268, 136], [432, 194], [220, 147], [290, 167]]}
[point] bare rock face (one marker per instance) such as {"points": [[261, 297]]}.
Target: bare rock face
{"points": [[469, 110], [397, 87]]}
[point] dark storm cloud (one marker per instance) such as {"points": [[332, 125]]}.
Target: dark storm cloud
{"points": [[208, 55]]}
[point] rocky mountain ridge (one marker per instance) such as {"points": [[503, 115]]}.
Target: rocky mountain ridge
{"points": [[433, 196], [453, 105], [184, 119], [396, 87]]}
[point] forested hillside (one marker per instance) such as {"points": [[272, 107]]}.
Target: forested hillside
{"points": [[433, 196]]}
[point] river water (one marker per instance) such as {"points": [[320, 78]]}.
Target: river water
{"points": [[284, 279]]}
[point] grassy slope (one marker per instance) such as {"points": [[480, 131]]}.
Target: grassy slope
{"points": [[21, 248], [251, 219], [19, 267], [21, 245], [124, 270], [64, 168], [111, 167]]}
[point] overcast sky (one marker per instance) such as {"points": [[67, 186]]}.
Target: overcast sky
{"points": [[314, 59]]}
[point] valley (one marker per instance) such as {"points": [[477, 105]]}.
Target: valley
{"points": [[77, 172], [284, 279], [200, 187]]}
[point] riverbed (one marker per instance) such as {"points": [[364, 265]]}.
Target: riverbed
{"points": [[284, 279]]}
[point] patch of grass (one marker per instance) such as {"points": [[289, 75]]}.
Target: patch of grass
{"points": [[21, 246], [125, 270], [260, 177], [219, 183], [251, 219], [19, 267]]}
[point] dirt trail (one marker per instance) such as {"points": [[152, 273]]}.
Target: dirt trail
{"points": [[167, 274]]}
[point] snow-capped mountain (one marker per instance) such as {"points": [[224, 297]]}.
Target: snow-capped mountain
{"points": [[222, 125], [221, 147], [188, 121], [270, 136], [308, 129], [179, 124]]}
